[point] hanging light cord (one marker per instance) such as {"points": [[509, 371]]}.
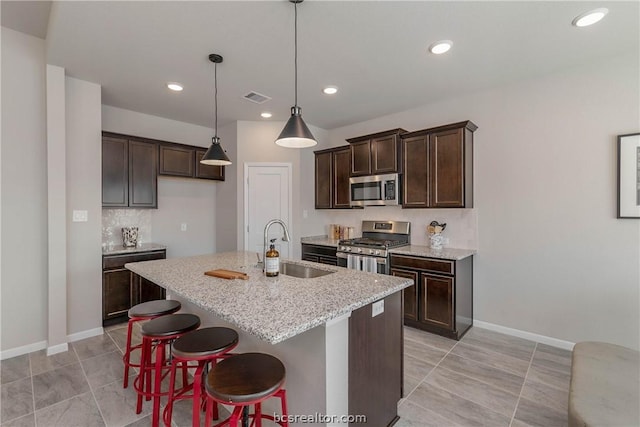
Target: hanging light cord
{"points": [[215, 96], [295, 43]]}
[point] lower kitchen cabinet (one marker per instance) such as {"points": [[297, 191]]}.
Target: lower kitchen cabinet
{"points": [[318, 253], [441, 301], [122, 289]]}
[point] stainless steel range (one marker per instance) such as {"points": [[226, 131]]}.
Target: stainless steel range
{"points": [[371, 251]]}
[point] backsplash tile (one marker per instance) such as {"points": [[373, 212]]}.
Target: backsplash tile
{"points": [[114, 219]]}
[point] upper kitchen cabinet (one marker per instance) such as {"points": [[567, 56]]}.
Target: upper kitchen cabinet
{"points": [[207, 171], [129, 172], [438, 167], [332, 168], [176, 160], [376, 154], [184, 160]]}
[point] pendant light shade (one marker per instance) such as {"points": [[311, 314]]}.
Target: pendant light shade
{"points": [[215, 155], [296, 134]]}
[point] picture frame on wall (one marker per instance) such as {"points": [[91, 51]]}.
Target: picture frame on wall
{"points": [[629, 176]]}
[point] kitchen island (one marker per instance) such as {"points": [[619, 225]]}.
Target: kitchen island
{"points": [[340, 358]]}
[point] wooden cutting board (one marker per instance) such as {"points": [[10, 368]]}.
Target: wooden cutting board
{"points": [[227, 274]]}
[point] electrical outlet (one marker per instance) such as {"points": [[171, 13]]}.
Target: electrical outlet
{"points": [[80, 216], [377, 308], [183, 226], [305, 213]]}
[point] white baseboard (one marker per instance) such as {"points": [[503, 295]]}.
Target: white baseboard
{"points": [[85, 334], [25, 349], [60, 348], [40, 345], [554, 342]]}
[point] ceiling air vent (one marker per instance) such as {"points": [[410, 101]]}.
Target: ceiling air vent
{"points": [[256, 97]]}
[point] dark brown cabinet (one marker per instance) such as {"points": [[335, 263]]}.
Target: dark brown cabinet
{"points": [[410, 294], [441, 301], [376, 154], [376, 356], [122, 289], [184, 160], [438, 167], [176, 160], [319, 253], [129, 173], [332, 169], [207, 171]]}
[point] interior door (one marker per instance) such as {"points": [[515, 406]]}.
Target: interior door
{"points": [[267, 197]]}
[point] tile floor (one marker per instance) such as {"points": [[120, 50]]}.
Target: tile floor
{"points": [[486, 379]]}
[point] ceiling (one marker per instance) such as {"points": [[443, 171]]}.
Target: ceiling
{"points": [[374, 52]]}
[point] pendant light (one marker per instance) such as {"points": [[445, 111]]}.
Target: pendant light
{"points": [[215, 155], [296, 134]]}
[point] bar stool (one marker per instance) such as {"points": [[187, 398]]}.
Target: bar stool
{"points": [[157, 333], [137, 313], [204, 346], [243, 380]]}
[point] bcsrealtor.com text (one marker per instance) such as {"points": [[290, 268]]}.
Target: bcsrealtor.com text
{"points": [[320, 418]]}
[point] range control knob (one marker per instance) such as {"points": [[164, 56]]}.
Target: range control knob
{"points": [[371, 251], [359, 250], [377, 252]]}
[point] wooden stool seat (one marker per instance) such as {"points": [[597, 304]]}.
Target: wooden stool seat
{"points": [[144, 311], [158, 333], [154, 308], [205, 346], [204, 343], [166, 326], [244, 380]]}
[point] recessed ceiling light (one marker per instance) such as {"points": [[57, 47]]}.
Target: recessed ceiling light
{"points": [[590, 18], [440, 47], [330, 90], [266, 114], [177, 87]]}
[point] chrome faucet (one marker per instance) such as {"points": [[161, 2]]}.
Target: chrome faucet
{"points": [[285, 238]]}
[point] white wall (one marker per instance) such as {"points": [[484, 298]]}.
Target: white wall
{"points": [[56, 209], [180, 200], [552, 258], [256, 143], [24, 191], [84, 189], [227, 195]]}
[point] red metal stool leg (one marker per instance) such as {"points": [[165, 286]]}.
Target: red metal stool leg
{"points": [[283, 400], [127, 354]]}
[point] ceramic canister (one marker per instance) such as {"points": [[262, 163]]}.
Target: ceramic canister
{"points": [[129, 236]]}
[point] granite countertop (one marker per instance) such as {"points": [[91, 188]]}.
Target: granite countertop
{"points": [[320, 241], [271, 308], [145, 247], [427, 252]]}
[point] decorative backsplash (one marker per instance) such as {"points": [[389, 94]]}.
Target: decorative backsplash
{"points": [[114, 219]]}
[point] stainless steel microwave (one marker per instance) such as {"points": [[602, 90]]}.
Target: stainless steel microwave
{"points": [[375, 190]]}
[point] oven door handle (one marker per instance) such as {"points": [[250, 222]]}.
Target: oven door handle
{"points": [[344, 255]]}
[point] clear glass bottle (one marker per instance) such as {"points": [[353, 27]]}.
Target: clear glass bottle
{"points": [[272, 261]]}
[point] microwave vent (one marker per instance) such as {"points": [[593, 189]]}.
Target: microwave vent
{"points": [[256, 98]]}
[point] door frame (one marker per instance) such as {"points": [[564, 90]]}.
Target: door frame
{"points": [[248, 165]]}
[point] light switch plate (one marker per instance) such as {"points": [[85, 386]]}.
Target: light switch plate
{"points": [[183, 226], [377, 308], [80, 216]]}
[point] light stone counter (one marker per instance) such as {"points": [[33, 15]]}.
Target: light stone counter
{"points": [[320, 241], [120, 250], [270, 308], [427, 252]]}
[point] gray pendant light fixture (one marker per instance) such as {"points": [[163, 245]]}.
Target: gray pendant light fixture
{"points": [[215, 155], [296, 134]]}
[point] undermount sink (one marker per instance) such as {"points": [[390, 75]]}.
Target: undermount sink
{"points": [[302, 271]]}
